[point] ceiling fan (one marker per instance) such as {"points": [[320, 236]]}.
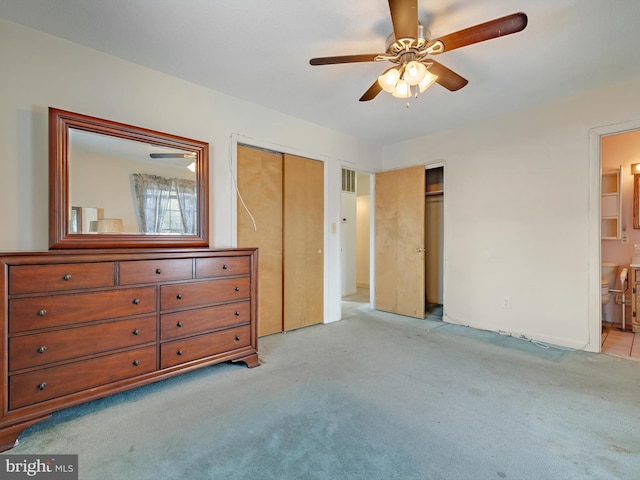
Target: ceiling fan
{"points": [[172, 155], [411, 51], [189, 156]]}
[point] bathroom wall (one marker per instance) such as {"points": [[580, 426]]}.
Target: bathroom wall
{"points": [[621, 150]]}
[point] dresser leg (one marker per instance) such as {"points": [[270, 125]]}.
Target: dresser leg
{"points": [[9, 435], [251, 360]]}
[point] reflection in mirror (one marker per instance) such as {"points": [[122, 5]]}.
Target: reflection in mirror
{"points": [[115, 185], [130, 187]]}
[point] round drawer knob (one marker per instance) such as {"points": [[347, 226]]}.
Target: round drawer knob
{"points": [[42, 386], [136, 301], [179, 352], [237, 339], [66, 277], [237, 314], [136, 363], [179, 296], [237, 289], [179, 324], [136, 332], [225, 267], [42, 349], [42, 313], [158, 271]]}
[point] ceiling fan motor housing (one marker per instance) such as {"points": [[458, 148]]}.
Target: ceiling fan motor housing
{"points": [[396, 47]]}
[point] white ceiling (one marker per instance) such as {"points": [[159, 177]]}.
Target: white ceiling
{"points": [[259, 50]]}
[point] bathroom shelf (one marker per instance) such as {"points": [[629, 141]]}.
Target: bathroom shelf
{"points": [[611, 205]]}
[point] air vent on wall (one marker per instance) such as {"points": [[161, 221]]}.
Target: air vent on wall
{"points": [[348, 180]]}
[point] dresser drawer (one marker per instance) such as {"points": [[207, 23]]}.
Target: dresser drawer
{"points": [[222, 266], [55, 278], [43, 348], [57, 310], [185, 295], [154, 271], [192, 322], [194, 348], [40, 385]]}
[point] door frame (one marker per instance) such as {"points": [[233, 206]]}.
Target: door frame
{"points": [[594, 308]]}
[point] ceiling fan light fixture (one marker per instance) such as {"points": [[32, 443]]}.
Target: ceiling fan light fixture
{"points": [[192, 166], [428, 80], [402, 90], [415, 72], [389, 79]]}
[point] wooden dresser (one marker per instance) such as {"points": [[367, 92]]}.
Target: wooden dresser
{"points": [[84, 324]]}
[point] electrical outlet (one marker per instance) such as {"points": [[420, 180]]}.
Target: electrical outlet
{"points": [[506, 302]]}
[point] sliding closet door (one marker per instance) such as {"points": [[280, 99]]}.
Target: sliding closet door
{"points": [[260, 184], [303, 242], [399, 241]]}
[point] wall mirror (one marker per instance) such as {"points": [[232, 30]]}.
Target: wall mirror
{"points": [[113, 185]]}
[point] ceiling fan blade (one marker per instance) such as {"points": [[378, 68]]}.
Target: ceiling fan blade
{"points": [[499, 27], [447, 78], [365, 57], [172, 155], [404, 16], [373, 91]]}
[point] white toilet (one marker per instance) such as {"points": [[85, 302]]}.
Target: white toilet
{"points": [[608, 273]]}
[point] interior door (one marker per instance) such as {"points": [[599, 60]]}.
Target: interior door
{"points": [[399, 241], [303, 242], [260, 184]]}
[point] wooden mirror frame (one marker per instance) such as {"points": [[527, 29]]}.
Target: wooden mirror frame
{"points": [[60, 121]]}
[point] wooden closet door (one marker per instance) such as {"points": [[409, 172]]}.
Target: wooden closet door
{"points": [[260, 184], [399, 236], [303, 242]]}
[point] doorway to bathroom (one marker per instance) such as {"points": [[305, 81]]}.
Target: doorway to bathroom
{"points": [[619, 151]]}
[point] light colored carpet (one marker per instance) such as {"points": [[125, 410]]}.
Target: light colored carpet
{"points": [[375, 396]]}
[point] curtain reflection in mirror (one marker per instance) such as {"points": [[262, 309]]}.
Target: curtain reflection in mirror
{"points": [[165, 205], [186, 197]]}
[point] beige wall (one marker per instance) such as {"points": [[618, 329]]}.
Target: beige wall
{"points": [[43, 71], [520, 214]]}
